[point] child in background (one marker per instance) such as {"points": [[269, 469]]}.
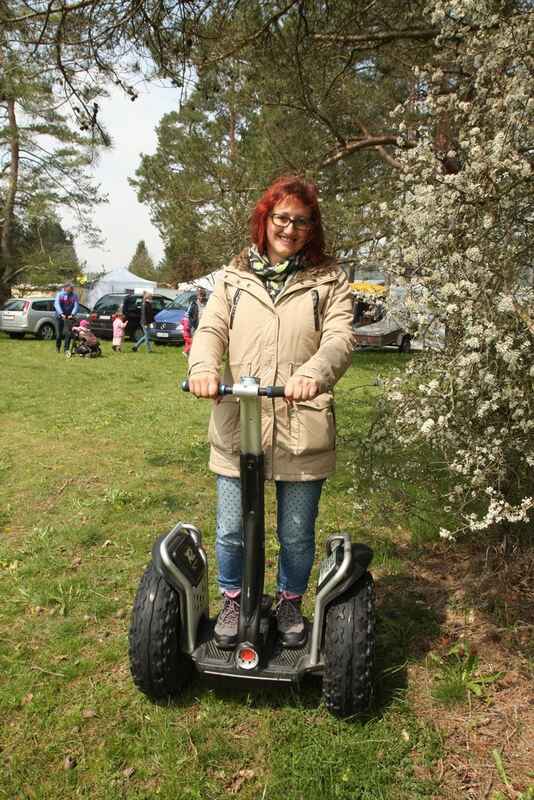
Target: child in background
{"points": [[119, 325], [88, 343], [187, 336]]}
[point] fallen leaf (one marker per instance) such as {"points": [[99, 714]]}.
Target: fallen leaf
{"points": [[238, 779]]}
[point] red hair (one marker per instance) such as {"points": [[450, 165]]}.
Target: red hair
{"points": [[308, 194]]}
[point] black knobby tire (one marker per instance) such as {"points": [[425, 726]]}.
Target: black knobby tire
{"points": [[158, 666], [349, 649]]}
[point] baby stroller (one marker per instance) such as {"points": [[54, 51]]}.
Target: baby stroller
{"points": [[83, 342]]}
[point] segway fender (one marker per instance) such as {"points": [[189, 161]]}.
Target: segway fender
{"points": [[180, 559], [362, 555], [181, 551]]}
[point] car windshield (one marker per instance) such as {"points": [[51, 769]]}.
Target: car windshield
{"points": [[108, 303], [181, 301]]}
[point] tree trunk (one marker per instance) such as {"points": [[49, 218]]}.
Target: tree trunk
{"points": [[6, 241]]}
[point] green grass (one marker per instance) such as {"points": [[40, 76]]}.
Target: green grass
{"points": [[97, 458]]}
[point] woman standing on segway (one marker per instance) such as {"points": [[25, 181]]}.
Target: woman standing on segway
{"points": [[282, 312]]}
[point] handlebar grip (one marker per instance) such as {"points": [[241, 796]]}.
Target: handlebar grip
{"points": [[224, 388], [272, 391]]}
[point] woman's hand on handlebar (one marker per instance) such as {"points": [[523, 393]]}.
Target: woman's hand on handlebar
{"points": [[300, 387], [205, 384]]}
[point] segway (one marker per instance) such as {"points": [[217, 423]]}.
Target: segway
{"points": [[171, 633]]}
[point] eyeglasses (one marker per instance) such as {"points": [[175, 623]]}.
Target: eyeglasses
{"points": [[283, 220]]}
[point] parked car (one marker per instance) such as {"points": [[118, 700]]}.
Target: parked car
{"points": [[167, 326], [130, 305], [35, 315]]}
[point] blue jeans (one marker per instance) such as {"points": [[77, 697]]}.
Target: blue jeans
{"points": [[67, 323], [144, 338], [298, 506]]}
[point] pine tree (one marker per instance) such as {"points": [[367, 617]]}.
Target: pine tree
{"points": [[142, 263]]}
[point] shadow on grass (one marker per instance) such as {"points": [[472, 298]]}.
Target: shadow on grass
{"points": [[409, 615], [306, 694]]}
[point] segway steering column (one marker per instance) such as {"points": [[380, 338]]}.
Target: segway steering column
{"points": [[252, 505]]}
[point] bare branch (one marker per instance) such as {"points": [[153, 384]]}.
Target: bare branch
{"points": [[378, 37], [368, 143]]}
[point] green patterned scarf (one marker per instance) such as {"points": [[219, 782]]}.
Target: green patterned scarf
{"points": [[273, 277]]}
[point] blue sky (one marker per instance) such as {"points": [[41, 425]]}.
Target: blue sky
{"points": [[123, 221]]}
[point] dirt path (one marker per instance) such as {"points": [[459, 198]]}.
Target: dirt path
{"points": [[484, 597]]}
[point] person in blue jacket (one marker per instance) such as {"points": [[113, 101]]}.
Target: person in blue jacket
{"points": [[66, 308]]}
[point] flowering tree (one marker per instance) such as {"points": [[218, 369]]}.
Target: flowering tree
{"points": [[462, 250]]}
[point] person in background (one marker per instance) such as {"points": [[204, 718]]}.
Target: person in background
{"points": [[192, 315], [281, 311], [119, 326], [202, 301], [88, 340], [195, 309], [147, 318], [66, 307], [186, 327]]}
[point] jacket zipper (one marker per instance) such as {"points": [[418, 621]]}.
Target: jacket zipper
{"points": [[237, 295], [315, 301]]}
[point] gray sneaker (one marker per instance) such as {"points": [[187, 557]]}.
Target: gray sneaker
{"points": [[226, 625], [289, 620]]}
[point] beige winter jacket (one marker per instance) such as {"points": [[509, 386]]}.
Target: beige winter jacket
{"points": [[307, 330]]}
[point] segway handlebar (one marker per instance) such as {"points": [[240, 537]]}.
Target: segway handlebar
{"points": [[241, 390]]}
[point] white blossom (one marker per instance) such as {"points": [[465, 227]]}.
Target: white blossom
{"points": [[467, 236]]}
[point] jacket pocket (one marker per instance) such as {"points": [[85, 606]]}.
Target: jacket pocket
{"points": [[310, 427], [224, 431]]}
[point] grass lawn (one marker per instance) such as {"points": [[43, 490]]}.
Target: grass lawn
{"points": [[100, 456]]}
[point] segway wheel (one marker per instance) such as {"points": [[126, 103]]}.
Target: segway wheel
{"points": [[349, 649], [158, 666]]}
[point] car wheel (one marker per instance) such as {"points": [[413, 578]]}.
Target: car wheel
{"points": [[47, 332], [16, 336], [405, 345], [158, 666], [136, 333], [349, 649]]}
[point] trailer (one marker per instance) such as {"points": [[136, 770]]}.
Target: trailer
{"points": [[385, 333]]}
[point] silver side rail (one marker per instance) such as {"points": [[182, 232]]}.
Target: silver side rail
{"points": [[320, 599], [195, 598]]}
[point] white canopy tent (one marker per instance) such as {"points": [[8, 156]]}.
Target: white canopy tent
{"points": [[206, 282], [119, 280]]}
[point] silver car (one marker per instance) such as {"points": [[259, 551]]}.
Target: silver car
{"points": [[35, 315]]}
